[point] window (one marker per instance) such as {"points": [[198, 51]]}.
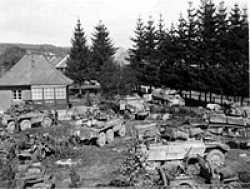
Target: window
{"points": [[37, 94], [17, 94], [60, 93], [49, 93]]}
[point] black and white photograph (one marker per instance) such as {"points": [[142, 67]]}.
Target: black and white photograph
{"points": [[124, 94]]}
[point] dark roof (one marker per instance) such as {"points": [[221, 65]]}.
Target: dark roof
{"points": [[33, 70]]}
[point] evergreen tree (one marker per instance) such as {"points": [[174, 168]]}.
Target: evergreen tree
{"points": [[161, 35], [102, 48], [137, 52], [151, 63], [78, 61], [207, 46], [192, 54], [239, 51], [191, 36], [109, 78], [150, 37], [222, 35], [181, 40]]}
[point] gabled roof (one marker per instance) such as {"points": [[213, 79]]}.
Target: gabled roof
{"points": [[63, 62], [33, 70]]}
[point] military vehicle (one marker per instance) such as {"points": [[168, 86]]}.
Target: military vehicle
{"points": [[33, 176], [230, 121], [134, 106], [175, 152], [169, 97], [98, 129], [23, 117], [206, 177]]}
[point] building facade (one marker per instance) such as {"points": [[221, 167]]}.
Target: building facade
{"points": [[34, 79]]}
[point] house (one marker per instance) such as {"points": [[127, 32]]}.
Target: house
{"points": [[34, 79], [91, 86]]}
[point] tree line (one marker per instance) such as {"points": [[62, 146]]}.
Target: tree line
{"points": [[92, 62], [206, 51]]}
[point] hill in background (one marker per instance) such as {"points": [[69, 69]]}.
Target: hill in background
{"points": [[11, 53], [43, 48]]}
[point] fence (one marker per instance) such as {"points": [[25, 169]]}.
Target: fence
{"points": [[214, 98]]}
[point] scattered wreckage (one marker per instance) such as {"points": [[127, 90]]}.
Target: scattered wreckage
{"points": [[230, 124], [179, 161]]}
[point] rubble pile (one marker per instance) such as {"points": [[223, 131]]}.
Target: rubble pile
{"points": [[21, 159]]}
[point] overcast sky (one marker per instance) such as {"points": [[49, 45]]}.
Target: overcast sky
{"points": [[53, 21]]}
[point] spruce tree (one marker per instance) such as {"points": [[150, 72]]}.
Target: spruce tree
{"points": [[192, 52], [137, 52], [150, 37], [151, 63], [191, 36], [78, 62], [161, 35], [181, 40], [102, 48], [222, 35], [206, 45]]}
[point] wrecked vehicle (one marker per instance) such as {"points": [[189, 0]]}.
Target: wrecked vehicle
{"points": [[163, 144], [169, 97], [146, 131], [175, 152], [134, 106], [228, 122], [20, 117], [206, 176], [101, 130], [33, 176]]}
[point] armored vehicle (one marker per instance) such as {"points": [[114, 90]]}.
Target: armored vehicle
{"points": [[134, 106], [100, 130], [169, 97], [230, 121], [22, 117], [175, 152]]}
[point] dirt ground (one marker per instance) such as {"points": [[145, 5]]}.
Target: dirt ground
{"points": [[95, 165]]}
